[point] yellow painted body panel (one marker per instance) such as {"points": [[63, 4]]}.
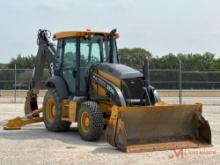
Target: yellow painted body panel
{"points": [[105, 106], [69, 111], [71, 34], [98, 89], [111, 78]]}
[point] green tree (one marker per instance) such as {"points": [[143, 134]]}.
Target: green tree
{"points": [[134, 57], [216, 64], [22, 62], [3, 66], [201, 62], [169, 61]]}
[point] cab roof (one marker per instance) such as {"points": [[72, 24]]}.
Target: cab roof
{"points": [[71, 34]]}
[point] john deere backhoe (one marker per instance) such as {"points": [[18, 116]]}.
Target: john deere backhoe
{"points": [[88, 85]]}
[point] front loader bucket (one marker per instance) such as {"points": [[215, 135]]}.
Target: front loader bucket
{"points": [[160, 127]]}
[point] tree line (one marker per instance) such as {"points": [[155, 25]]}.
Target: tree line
{"points": [[164, 72], [134, 58], [190, 62]]}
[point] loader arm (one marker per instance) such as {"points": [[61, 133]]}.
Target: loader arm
{"points": [[46, 53]]}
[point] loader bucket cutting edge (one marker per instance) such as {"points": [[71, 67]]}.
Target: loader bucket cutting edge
{"points": [[152, 128]]}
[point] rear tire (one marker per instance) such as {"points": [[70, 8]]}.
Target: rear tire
{"points": [[90, 121], [52, 112]]}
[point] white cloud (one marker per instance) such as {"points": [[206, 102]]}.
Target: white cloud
{"points": [[69, 4], [115, 3], [56, 4], [124, 3]]}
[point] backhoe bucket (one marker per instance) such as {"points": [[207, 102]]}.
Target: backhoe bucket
{"points": [[19, 122], [160, 127]]}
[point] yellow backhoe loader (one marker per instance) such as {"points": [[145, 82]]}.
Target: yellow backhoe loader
{"points": [[88, 85]]}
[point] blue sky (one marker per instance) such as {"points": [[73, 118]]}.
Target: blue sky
{"points": [[160, 26]]}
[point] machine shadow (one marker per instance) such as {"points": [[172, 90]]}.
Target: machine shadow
{"points": [[71, 138]]}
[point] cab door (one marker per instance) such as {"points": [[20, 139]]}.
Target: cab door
{"points": [[69, 63], [90, 53]]}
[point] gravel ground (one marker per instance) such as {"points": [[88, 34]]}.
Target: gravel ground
{"points": [[35, 145]]}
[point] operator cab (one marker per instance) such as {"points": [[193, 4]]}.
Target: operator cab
{"points": [[78, 50]]}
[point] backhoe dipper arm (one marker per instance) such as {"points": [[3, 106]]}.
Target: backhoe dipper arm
{"points": [[46, 52]]}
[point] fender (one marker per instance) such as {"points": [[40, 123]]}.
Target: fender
{"points": [[59, 84], [111, 88]]}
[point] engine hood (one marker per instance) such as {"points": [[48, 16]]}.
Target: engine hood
{"points": [[118, 70]]}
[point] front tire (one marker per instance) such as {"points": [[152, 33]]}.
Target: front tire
{"points": [[52, 112], [90, 121]]}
